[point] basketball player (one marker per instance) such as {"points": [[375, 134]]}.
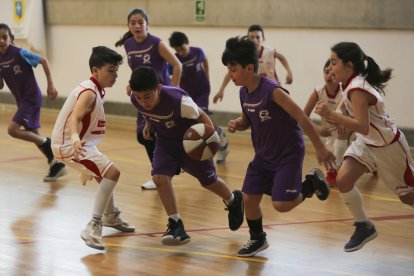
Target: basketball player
{"points": [[79, 126], [380, 146], [195, 81], [273, 118], [16, 70], [267, 60], [336, 138], [169, 111], [145, 49]]}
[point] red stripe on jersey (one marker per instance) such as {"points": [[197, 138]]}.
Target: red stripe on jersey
{"points": [[98, 132], [86, 121], [91, 166], [408, 174]]}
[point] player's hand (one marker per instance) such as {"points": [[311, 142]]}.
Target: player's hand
{"points": [[289, 79], [51, 92], [218, 97], [146, 132], [325, 132], [79, 149], [326, 158], [233, 124], [322, 109]]}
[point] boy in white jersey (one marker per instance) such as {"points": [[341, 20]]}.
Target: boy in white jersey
{"points": [[336, 138], [79, 127], [379, 146]]}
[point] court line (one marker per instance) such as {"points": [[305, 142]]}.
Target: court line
{"points": [[266, 226]]}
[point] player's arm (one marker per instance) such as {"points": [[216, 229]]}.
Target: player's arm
{"points": [[51, 90], [285, 101], [239, 124], [360, 101], [310, 105], [220, 94], [206, 68], [190, 110], [1, 80], [168, 55], [283, 60], [83, 106]]}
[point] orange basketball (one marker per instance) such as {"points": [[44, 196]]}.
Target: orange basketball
{"points": [[201, 142]]}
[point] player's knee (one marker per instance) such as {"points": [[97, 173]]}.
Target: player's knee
{"points": [[282, 206], [12, 132]]}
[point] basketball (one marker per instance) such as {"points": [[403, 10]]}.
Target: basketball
{"points": [[201, 142]]}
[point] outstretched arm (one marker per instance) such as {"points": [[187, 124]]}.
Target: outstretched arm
{"points": [[220, 94]]}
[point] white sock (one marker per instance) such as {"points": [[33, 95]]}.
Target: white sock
{"points": [[110, 206], [354, 202], [230, 201], [102, 197], [339, 149], [175, 217]]}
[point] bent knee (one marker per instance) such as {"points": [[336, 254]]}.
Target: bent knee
{"points": [[12, 132], [282, 206], [408, 199]]}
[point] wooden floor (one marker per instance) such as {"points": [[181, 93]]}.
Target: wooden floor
{"points": [[40, 222]]}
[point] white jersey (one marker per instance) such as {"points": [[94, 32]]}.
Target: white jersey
{"points": [[382, 130], [93, 124], [331, 101], [267, 63]]}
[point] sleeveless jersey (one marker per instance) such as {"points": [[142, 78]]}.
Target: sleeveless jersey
{"points": [[93, 124], [193, 78], [331, 101], [166, 116], [267, 63], [382, 130], [16, 69], [276, 136]]}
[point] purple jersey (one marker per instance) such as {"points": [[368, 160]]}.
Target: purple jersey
{"points": [[166, 116], [194, 79], [277, 138], [146, 53], [16, 68]]}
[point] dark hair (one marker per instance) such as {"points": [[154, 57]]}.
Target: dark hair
{"points": [[256, 28], [240, 50], [144, 79], [351, 52], [102, 55], [178, 39], [7, 28], [129, 34], [327, 63]]}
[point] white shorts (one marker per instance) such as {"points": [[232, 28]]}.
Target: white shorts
{"points": [[393, 163], [94, 164]]}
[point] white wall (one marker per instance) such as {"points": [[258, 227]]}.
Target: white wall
{"points": [[306, 50]]}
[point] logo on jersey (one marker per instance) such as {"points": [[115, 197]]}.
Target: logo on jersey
{"points": [[251, 107], [264, 115], [147, 59], [169, 124], [17, 70]]}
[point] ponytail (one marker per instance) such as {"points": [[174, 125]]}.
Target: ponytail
{"points": [[123, 39]]}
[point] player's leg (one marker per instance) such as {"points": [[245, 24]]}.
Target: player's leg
{"points": [[149, 148], [223, 150]]}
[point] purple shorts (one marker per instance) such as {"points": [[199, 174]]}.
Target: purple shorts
{"points": [[28, 115], [283, 182], [170, 157]]}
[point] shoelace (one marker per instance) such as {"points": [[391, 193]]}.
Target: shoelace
{"points": [[249, 243]]}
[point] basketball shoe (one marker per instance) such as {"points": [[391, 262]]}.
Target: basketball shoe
{"points": [[92, 234], [175, 234], [236, 211], [315, 183], [56, 170], [115, 221], [331, 177], [254, 246], [223, 150], [364, 232], [149, 185]]}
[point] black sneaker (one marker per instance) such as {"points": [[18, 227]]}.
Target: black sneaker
{"points": [[252, 247], [364, 232], [315, 183], [236, 211], [175, 234], [56, 170]]}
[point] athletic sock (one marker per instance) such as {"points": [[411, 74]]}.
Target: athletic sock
{"points": [[353, 200], [255, 228], [103, 196], [175, 217], [339, 149]]}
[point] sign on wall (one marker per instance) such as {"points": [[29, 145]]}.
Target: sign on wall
{"points": [[25, 18], [200, 11]]}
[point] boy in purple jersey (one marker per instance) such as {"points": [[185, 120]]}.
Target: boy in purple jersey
{"points": [[273, 117], [16, 70], [195, 81], [145, 49], [170, 111]]}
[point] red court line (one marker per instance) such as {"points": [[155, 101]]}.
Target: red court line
{"points": [[266, 226], [21, 159]]}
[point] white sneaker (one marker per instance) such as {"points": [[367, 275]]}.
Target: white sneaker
{"points": [[149, 185], [115, 221], [92, 235], [222, 154]]}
